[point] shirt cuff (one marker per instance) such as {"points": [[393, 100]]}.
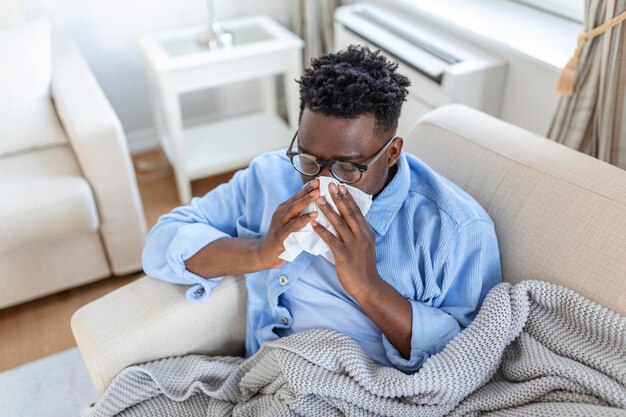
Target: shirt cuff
{"points": [[431, 330], [188, 241]]}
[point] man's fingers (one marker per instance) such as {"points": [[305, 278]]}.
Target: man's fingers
{"points": [[342, 228], [347, 207], [293, 209], [297, 223], [307, 188], [330, 239]]}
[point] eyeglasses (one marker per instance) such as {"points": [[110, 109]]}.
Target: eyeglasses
{"points": [[344, 171]]}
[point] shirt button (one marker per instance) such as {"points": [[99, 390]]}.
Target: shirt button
{"points": [[282, 280], [283, 320], [199, 291]]}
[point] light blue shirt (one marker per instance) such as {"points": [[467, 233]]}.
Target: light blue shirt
{"points": [[434, 244], [318, 290]]}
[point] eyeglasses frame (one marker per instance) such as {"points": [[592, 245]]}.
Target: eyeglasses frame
{"points": [[321, 163]]}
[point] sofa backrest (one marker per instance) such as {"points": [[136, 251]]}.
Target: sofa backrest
{"points": [[28, 119], [560, 215]]}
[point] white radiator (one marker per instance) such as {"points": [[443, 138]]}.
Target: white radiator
{"points": [[442, 68]]}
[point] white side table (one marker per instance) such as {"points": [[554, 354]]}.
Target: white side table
{"points": [[176, 63]]}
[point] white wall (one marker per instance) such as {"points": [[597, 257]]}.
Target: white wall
{"points": [[529, 97], [106, 32]]}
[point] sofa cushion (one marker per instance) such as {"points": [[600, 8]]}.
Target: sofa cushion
{"points": [[56, 161], [45, 209], [43, 198], [28, 119]]}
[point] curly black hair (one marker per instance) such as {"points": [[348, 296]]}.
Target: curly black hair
{"points": [[354, 82]]}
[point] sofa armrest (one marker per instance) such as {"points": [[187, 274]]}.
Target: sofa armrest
{"points": [[150, 319], [97, 138]]}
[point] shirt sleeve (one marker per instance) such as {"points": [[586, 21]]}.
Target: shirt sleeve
{"points": [[470, 269], [178, 235]]}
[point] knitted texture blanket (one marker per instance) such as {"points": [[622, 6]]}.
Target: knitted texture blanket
{"points": [[534, 349]]}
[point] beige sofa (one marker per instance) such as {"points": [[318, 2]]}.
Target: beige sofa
{"points": [[560, 216], [70, 210]]}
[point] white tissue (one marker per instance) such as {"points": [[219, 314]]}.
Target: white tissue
{"points": [[306, 239]]}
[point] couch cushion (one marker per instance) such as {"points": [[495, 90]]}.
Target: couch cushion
{"points": [[28, 119], [47, 209], [56, 161], [43, 197]]}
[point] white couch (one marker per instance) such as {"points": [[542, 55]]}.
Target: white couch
{"points": [[560, 216], [70, 210]]}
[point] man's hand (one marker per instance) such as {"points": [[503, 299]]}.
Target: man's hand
{"points": [[354, 247], [354, 250], [287, 219]]}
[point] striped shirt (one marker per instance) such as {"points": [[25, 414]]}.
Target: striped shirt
{"points": [[434, 244]]}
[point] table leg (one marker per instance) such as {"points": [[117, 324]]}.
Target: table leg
{"points": [[174, 125], [157, 114], [268, 88], [292, 94]]}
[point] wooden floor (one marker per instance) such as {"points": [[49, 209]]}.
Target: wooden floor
{"points": [[41, 327]]}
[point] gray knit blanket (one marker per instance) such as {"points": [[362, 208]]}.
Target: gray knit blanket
{"points": [[534, 349]]}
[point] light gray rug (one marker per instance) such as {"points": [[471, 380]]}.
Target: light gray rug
{"points": [[54, 386]]}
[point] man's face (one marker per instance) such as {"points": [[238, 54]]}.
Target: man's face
{"points": [[351, 140]]}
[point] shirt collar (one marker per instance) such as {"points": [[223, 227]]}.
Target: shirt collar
{"points": [[387, 204]]}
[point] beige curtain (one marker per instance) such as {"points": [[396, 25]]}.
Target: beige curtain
{"points": [[314, 24], [592, 119]]}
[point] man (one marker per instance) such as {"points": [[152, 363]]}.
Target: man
{"points": [[408, 276]]}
